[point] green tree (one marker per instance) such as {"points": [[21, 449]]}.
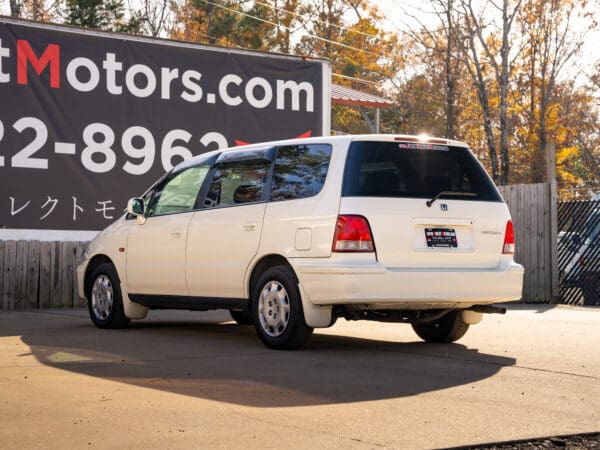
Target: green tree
{"points": [[105, 15], [256, 28], [418, 108]]}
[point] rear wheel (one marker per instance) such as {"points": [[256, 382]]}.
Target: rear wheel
{"points": [[104, 299], [241, 317], [277, 308], [448, 328]]}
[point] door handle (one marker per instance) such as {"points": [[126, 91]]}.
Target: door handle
{"points": [[250, 226], [176, 234]]}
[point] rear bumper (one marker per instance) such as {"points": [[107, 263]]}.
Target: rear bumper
{"points": [[360, 281]]}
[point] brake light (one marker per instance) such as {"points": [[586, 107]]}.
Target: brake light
{"points": [[509, 239], [421, 139], [352, 234]]}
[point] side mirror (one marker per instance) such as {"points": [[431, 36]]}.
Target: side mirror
{"points": [[135, 207]]}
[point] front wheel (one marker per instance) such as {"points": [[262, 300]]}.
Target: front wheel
{"points": [[448, 328], [104, 299], [277, 308]]}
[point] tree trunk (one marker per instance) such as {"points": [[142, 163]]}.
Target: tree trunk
{"points": [[36, 11], [504, 157], [15, 8], [209, 9], [489, 134], [543, 137], [450, 80], [487, 121], [482, 93]]}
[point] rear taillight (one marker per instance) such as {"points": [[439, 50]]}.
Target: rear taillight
{"points": [[352, 234], [509, 239]]}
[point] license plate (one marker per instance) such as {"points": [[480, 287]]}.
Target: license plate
{"points": [[441, 237]]}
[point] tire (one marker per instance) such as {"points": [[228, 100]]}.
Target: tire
{"points": [[277, 310], [590, 283], [104, 299], [241, 317], [448, 328]]}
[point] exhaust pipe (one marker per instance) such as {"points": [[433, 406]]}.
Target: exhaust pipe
{"points": [[487, 309]]}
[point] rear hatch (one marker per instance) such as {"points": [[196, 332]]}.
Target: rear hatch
{"points": [[428, 205]]}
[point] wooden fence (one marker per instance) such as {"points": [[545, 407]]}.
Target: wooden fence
{"points": [[535, 241], [38, 274]]}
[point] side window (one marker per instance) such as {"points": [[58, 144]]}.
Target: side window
{"points": [[237, 183], [179, 192], [300, 171]]}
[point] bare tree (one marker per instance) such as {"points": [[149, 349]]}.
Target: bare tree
{"points": [[588, 129], [439, 40], [477, 37], [450, 73], [40, 10], [548, 29], [151, 16]]}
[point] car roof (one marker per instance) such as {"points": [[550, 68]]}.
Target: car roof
{"points": [[329, 139]]}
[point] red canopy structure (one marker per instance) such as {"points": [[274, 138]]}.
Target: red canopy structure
{"points": [[341, 95]]}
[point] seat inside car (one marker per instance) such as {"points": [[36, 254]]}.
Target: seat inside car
{"points": [[247, 193]]}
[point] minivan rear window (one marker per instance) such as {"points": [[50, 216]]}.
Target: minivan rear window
{"points": [[396, 169]]}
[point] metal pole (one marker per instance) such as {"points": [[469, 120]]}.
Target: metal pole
{"points": [[551, 180], [377, 120]]}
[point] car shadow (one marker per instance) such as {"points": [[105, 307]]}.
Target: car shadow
{"points": [[226, 362]]}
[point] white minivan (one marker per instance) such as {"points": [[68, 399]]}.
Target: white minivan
{"points": [[292, 235]]}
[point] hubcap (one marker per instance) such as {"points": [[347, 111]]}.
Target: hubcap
{"points": [[273, 308], [102, 297]]}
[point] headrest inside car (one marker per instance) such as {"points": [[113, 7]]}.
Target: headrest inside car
{"points": [[247, 193]]}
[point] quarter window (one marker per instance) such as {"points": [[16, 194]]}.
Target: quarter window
{"points": [[300, 171]]}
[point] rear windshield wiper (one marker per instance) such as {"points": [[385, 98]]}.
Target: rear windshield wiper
{"points": [[453, 193]]}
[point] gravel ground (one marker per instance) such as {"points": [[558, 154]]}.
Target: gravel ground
{"points": [[590, 441]]}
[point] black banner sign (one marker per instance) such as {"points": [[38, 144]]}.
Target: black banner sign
{"points": [[88, 120]]}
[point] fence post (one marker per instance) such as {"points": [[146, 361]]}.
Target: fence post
{"points": [[553, 241]]}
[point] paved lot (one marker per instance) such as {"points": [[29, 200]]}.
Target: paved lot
{"points": [[183, 380]]}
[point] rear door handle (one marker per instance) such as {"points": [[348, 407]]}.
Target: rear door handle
{"points": [[250, 226], [176, 234]]}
